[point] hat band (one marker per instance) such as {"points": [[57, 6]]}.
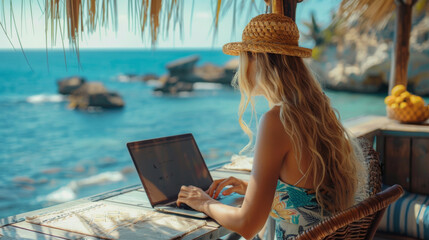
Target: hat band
{"points": [[289, 43]]}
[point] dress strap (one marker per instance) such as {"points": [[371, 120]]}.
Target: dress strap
{"points": [[303, 176]]}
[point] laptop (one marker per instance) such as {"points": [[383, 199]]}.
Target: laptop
{"points": [[166, 164]]}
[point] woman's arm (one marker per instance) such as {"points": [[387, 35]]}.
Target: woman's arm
{"points": [[271, 147]]}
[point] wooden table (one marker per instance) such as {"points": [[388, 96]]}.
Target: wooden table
{"points": [[16, 227]]}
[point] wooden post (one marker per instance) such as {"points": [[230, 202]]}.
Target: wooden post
{"points": [[285, 7], [401, 50], [289, 8]]}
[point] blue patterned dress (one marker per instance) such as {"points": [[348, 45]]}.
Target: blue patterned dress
{"points": [[294, 210]]}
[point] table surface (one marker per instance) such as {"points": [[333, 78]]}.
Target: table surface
{"points": [[15, 227]]}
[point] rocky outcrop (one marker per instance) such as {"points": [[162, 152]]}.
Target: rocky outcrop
{"points": [[94, 94], [418, 73], [68, 85], [353, 60], [362, 63], [183, 74]]}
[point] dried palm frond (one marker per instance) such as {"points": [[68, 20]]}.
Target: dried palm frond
{"points": [[373, 13], [12, 28], [367, 13], [72, 19]]}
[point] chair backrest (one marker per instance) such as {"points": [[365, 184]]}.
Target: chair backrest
{"points": [[348, 225], [374, 169], [360, 221]]}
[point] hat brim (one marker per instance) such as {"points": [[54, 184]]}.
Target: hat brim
{"points": [[235, 48]]}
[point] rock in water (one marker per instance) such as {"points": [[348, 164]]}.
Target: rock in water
{"points": [[231, 66], [211, 73], [183, 66], [94, 94], [106, 100], [68, 85], [183, 74], [179, 79], [172, 85]]}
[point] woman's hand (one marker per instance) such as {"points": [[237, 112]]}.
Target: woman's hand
{"points": [[238, 186], [194, 197]]}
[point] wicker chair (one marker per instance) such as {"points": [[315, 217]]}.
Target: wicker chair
{"points": [[360, 221], [374, 169], [349, 224]]}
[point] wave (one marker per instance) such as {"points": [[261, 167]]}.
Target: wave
{"points": [[42, 98], [69, 192], [128, 78], [185, 94], [207, 86], [153, 83]]}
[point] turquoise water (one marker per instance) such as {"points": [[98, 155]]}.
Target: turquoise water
{"points": [[51, 154]]}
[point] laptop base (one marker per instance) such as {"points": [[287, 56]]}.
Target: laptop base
{"points": [[189, 213]]}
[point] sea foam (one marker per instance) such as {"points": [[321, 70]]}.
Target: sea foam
{"points": [[42, 98], [69, 192], [207, 86]]}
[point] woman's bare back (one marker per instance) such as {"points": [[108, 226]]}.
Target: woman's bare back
{"points": [[291, 172]]}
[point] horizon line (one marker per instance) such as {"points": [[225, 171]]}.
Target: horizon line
{"points": [[116, 48]]}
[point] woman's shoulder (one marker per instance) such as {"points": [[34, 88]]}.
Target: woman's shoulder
{"points": [[273, 114], [271, 124], [272, 119]]}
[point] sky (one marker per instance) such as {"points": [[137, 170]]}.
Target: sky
{"points": [[196, 34]]}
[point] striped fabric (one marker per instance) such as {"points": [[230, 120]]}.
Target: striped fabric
{"points": [[409, 216]]}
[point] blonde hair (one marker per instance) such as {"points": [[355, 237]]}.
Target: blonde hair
{"points": [[309, 121]]}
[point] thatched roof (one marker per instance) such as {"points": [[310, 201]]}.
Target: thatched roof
{"points": [[72, 18], [368, 14]]}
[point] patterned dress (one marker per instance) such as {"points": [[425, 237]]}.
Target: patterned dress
{"points": [[294, 210]]}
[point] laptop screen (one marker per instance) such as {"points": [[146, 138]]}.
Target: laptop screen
{"points": [[165, 164]]}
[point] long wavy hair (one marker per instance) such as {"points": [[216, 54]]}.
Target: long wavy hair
{"points": [[308, 119]]}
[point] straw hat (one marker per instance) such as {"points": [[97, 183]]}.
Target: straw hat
{"points": [[270, 33]]}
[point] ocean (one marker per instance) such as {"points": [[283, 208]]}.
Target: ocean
{"points": [[51, 154]]}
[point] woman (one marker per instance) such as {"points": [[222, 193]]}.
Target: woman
{"points": [[304, 162]]}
